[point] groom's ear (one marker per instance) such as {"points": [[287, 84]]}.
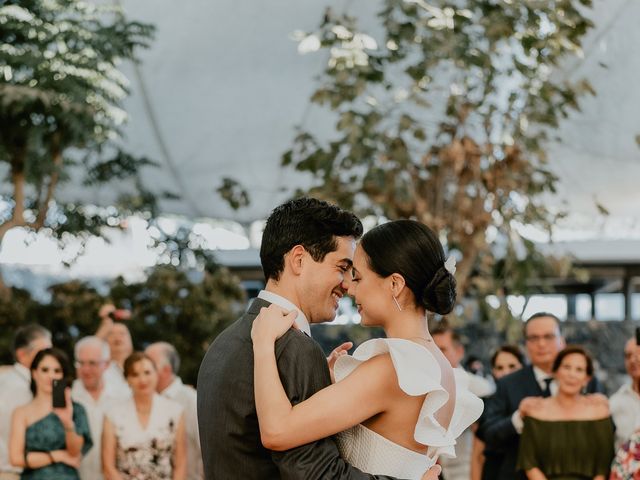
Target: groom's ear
{"points": [[295, 259]]}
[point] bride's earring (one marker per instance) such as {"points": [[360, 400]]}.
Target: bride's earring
{"points": [[397, 304]]}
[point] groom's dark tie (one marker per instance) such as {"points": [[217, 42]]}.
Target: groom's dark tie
{"points": [[546, 391]]}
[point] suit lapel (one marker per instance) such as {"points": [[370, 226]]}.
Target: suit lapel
{"points": [[532, 386]]}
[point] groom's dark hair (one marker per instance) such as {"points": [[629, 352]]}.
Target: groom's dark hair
{"points": [[305, 221]]}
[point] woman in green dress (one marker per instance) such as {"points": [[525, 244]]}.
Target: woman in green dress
{"points": [[568, 436], [46, 442]]}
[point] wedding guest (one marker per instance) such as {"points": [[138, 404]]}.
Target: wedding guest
{"points": [[95, 395], [567, 435], [505, 360], [116, 333], [14, 387], [501, 423], [626, 464], [170, 385], [47, 442], [143, 437], [625, 403], [449, 342]]}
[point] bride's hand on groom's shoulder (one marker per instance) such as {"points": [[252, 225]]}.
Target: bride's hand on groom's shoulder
{"points": [[271, 323]]}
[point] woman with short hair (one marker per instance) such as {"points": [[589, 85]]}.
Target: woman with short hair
{"points": [[143, 437], [567, 436]]}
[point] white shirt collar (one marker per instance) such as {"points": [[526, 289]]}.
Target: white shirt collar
{"points": [[541, 376], [23, 372], [301, 320], [174, 387], [627, 389]]}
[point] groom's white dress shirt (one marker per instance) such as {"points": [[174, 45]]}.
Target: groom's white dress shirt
{"points": [[301, 320]]}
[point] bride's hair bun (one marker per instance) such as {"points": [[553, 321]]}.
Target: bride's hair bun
{"points": [[413, 250], [439, 296]]}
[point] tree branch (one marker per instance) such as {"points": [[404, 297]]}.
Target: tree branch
{"points": [[43, 207], [17, 178]]}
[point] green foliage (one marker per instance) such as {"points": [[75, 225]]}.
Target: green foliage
{"points": [[168, 306], [61, 96], [445, 119], [15, 306]]}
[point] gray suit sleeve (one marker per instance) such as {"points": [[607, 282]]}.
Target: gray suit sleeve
{"points": [[303, 371]]}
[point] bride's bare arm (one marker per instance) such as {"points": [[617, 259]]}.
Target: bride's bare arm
{"points": [[361, 395]]}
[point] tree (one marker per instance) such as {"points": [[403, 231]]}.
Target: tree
{"points": [[60, 111], [188, 312], [445, 119], [187, 309]]}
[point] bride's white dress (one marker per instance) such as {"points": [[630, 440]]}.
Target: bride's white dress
{"points": [[418, 374]]}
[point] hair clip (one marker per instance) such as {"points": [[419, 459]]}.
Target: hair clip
{"points": [[450, 265]]}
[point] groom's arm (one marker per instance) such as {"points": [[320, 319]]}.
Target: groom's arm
{"points": [[303, 371]]}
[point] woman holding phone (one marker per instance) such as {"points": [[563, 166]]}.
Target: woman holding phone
{"points": [[46, 441]]}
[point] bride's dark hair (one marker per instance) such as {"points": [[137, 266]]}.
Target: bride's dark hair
{"points": [[412, 250]]}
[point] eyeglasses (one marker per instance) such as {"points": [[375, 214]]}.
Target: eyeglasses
{"points": [[89, 363], [549, 337]]}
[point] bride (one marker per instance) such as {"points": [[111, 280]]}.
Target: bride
{"points": [[396, 404]]}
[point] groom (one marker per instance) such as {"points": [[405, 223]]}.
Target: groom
{"points": [[306, 253]]}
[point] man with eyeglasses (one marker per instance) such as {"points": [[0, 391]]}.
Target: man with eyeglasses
{"points": [[625, 403], [92, 358], [501, 423]]}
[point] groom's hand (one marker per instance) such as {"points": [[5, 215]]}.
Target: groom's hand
{"points": [[335, 354], [433, 473]]}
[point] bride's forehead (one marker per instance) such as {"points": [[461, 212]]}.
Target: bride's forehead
{"points": [[360, 257]]}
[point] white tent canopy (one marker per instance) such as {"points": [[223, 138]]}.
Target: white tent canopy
{"points": [[221, 89]]}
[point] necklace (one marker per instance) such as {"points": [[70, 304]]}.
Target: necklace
{"points": [[421, 338]]}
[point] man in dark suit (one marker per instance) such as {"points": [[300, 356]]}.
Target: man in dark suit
{"points": [[306, 254], [501, 422]]}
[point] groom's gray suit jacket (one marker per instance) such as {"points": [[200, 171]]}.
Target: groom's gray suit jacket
{"points": [[229, 432]]}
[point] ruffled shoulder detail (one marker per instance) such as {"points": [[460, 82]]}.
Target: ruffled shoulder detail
{"points": [[418, 374]]}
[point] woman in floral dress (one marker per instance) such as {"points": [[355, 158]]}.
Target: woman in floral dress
{"points": [[626, 464], [144, 436]]}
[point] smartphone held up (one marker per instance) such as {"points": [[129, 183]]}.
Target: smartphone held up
{"points": [[58, 393]]}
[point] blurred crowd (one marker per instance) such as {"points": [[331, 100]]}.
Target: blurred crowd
{"points": [[128, 415], [546, 415]]}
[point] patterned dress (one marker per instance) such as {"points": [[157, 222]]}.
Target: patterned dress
{"points": [[145, 453], [47, 435], [626, 464]]}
